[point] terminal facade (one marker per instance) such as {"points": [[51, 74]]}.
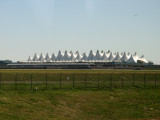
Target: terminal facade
{"points": [[91, 57]]}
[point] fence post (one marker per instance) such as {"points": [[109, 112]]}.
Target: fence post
{"points": [[31, 81], [85, 82], [155, 82], [16, 82], [73, 80], [60, 78], [98, 79], [46, 80], [144, 79], [122, 79]]}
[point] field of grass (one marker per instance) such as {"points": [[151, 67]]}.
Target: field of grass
{"points": [[55, 79], [91, 104], [104, 95], [75, 71]]}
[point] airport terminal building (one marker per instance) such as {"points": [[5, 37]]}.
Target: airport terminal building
{"points": [[91, 60], [102, 56]]}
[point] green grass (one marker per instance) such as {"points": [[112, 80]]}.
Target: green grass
{"points": [[116, 99], [92, 104], [53, 79], [74, 71]]}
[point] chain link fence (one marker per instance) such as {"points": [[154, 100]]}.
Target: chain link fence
{"points": [[41, 81]]}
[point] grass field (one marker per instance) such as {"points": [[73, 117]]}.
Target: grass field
{"points": [[91, 103], [55, 79], [75, 71]]}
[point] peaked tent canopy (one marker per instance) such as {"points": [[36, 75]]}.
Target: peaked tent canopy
{"points": [[136, 55], [66, 56], [79, 57], [124, 57], [143, 59], [59, 56], [53, 58], [85, 57], [77, 52], [30, 58], [132, 59], [104, 57], [91, 55], [72, 57], [48, 57], [36, 57], [108, 53], [42, 58], [98, 56], [118, 57], [129, 55], [111, 57]]}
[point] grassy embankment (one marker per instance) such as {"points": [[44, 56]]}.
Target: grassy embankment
{"points": [[119, 103], [127, 103]]}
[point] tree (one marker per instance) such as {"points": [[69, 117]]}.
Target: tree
{"points": [[150, 63], [140, 61]]}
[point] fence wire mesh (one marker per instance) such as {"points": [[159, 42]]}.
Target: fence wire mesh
{"points": [[41, 81]]}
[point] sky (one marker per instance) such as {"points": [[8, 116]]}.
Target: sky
{"points": [[46, 26]]}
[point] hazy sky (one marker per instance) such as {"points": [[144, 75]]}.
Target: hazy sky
{"points": [[41, 26]]}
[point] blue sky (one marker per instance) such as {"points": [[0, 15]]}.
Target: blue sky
{"points": [[41, 26]]}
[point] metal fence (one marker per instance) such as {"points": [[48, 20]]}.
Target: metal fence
{"points": [[41, 81]]}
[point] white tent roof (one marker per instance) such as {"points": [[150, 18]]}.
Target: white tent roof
{"points": [[98, 56], [53, 58], [30, 58], [111, 57], [118, 57], [124, 57], [132, 59], [77, 52], [59, 56], [70, 52], [129, 55], [48, 57], [91, 55], [143, 59], [104, 57], [84, 56], [36, 57], [108, 53], [79, 57], [41, 58], [136, 55], [72, 57], [66, 56]]}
